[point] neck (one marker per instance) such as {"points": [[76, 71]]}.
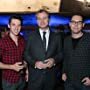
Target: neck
{"points": [[77, 35], [44, 29]]}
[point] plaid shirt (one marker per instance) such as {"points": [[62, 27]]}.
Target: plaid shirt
{"points": [[10, 54]]}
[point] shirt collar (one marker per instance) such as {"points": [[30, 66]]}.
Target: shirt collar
{"points": [[47, 30]]}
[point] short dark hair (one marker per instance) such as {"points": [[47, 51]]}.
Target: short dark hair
{"points": [[16, 17], [78, 14], [42, 10]]}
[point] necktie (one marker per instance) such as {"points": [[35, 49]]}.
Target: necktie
{"points": [[44, 40]]}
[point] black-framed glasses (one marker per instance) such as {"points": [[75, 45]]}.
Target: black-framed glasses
{"points": [[77, 22]]}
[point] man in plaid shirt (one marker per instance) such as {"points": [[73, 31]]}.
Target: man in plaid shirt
{"points": [[11, 52]]}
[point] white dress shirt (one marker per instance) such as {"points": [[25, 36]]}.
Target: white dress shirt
{"points": [[46, 35]]}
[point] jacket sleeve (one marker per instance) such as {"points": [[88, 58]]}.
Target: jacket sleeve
{"points": [[27, 54], [59, 55], [64, 69]]}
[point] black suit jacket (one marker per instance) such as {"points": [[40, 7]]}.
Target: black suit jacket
{"points": [[35, 51]]}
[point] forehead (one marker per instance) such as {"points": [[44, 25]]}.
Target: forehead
{"points": [[42, 14], [77, 18], [15, 20]]}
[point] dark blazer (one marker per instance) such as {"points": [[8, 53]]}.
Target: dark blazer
{"points": [[35, 51], [77, 61]]}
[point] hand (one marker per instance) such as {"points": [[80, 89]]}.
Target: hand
{"points": [[25, 64], [50, 62], [26, 76], [86, 81], [40, 65], [64, 77], [17, 66]]}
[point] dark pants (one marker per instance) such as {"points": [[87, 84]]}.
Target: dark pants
{"points": [[71, 86], [46, 81], [16, 86]]}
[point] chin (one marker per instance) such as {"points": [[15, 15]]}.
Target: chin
{"points": [[16, 34], [76, 32], [43, 26]]}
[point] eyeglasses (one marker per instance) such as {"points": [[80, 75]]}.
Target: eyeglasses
{"points": [[77, 22]]}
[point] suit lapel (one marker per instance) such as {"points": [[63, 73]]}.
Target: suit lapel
{"points": [[50, 40], [40, 40], [38, 35]]}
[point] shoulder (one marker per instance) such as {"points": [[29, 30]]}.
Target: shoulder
{"points": [[6, 38], [4, 41], [32, 35], [21, 39], [86, 36], [55, 34]]}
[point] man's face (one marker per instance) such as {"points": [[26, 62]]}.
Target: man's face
{"points": [[76, 24], [42, 20], [15, 26]]}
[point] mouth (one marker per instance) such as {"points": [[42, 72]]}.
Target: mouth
{"points": [[75, 28]]}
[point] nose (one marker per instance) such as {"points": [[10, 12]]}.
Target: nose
{"points": [[76, 23]]}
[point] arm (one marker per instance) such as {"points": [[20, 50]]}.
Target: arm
{"points": [[27, 54], [59, 55], [16, 67], [30, 59], [64, 68]]}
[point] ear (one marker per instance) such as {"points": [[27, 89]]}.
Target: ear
{"points": [[83, 24], [69, 24], [8, 26]]}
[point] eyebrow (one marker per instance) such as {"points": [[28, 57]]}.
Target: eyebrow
{"points": [[76, 21]]}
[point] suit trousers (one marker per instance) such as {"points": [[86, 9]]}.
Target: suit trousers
{"points": [[46, 81]]}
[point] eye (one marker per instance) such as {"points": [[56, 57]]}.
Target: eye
{"points": [[76, 22]]}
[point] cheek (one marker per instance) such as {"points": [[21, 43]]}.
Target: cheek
{"points": [[19, 28], [80, 27], [46, 22], [72, 27], [12, 28]]}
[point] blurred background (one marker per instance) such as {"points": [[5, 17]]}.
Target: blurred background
{"points": [[60, 11]]}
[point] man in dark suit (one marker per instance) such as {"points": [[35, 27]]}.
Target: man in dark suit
{"points": [[43, 52], [76, 69]]}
